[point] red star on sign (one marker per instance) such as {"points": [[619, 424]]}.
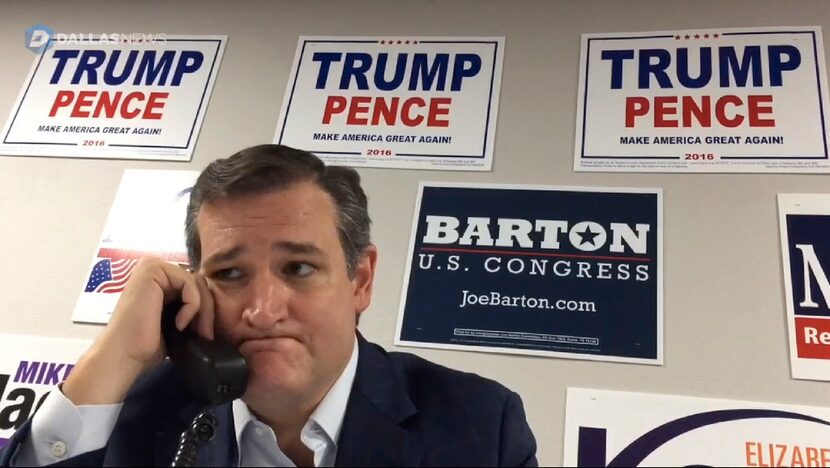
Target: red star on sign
{"points": [[407, 42], [687, 36], [716, 35], [697, 36], [383, 42], [399, 42], [676, 38], [706, 36], [414, 42]]}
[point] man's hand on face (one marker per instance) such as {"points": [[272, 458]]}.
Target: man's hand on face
{"points": [[132, 342]]}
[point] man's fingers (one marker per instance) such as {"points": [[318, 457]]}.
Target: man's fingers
{"points": [[205, 318], [183, 283]]}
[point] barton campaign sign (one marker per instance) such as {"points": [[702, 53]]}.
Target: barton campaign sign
{"points": [[571, 272], [805, 248], [415, 102], [114, 96], [709, 100]]}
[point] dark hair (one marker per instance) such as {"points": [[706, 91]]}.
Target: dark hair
{"points": [[268, 168]]}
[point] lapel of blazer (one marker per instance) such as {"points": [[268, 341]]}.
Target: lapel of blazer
{"points": [[372, 433], [221, 451]]}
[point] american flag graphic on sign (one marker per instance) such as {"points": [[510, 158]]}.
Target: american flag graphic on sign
{"points": [[110, 275], [113, 268]]}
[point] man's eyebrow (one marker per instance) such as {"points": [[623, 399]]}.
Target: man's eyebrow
{"points": [[298, 247], [225, 255], [288, 246]]}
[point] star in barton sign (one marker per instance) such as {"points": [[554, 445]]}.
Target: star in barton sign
{"points": [[587, 236]]}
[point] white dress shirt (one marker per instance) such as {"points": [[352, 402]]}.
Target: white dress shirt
{"points": [[61, 430], [258, 446]]}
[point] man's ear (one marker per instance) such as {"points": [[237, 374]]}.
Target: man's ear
{"points": [[364, 277]]}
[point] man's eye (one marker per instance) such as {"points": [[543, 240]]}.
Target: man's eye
{"points": [[299, 269], [227, 274]]}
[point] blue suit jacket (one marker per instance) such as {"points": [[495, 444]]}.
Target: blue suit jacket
{"points": [[402, 411]]}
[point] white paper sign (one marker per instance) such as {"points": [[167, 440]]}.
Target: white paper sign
{"points": [[621, 429], [146, 219], [709, 100], [104, 98], [415, 102]]}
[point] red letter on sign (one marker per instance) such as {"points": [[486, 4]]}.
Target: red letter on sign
{"points": [[334, 105], [755, 111], [635, 107], [359, 105], [406, 116], [154, 102], [85, 100], [63, 99], [435, 112], [720, 111]]}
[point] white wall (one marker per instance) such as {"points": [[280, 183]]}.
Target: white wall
{"points": [[725, 330]]}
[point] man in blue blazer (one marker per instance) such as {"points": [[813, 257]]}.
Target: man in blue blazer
{"points": [[282, 266]]}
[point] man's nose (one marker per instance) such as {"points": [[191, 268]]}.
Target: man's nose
{"points": [[267, 304]]}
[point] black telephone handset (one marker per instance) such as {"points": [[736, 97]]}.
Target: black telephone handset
{"points": [[213, 371]]}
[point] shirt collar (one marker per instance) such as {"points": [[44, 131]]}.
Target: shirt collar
{"points": [[329, 413], [241, 417]]}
